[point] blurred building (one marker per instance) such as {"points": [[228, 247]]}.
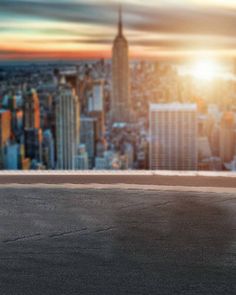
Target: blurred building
{"points": [[96, 99], [72, 80], [89, 137], [101, 163], [173, 136], [17, 124], [96, 107], [82, 161], [25, 164], [48, 150], [204, 149], [231, 166], [210, 164], [5, 133], [33, 144], [129, 153], [67, 127], [32, 130], [11, 157], [31, 110], [227, 137], [120, 103]]}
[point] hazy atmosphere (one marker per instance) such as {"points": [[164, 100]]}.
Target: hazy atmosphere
{"points": [[71, 29]]}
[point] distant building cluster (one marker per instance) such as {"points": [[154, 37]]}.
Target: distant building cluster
{"points": [[114, 115]]}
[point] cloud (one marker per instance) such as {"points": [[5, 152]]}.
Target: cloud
{"points": [[211, 20], [176, 26], [77, 12]]}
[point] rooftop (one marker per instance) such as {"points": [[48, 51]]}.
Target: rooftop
{"points": [[173, 107], [117, 233]]}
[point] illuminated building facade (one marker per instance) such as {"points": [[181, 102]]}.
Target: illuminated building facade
{"points": [[120, 104], [67, 128], [173, 136], [5, 133], [227, 137]]}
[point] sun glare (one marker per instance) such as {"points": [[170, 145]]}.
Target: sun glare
{"points": [[205, 69]]}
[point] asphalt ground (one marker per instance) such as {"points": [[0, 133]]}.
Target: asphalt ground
{"points": [[66, 240]]}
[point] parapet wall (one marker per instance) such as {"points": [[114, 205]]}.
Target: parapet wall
{"points": [[157, 178]]}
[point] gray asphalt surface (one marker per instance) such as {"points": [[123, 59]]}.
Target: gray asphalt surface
{"points": [[88, 241], [202, 181]]}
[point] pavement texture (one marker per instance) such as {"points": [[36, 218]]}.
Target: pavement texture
{"points": [[116, 241]]}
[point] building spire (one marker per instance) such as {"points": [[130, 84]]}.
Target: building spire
{"points": [[120, 25]]}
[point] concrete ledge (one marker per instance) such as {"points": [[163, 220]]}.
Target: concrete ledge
{"points": [[157, 178], [118, 173]]}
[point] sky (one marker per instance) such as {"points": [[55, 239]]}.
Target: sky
{"points": [[73, 29]]}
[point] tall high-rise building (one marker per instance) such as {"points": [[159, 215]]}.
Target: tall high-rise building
{"points": [[32, 130], [120, 103], [67, 128], [96, 100], [227, 137], [82, 161], [11, 157], [31, 110], [48, 149], [33, 144], [173, 136], [96, 106], [5, 133], [5, 126], [89, 137]]}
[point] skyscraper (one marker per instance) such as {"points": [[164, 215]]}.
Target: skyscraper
{"points": [[96, 99], [33, 144], [227, 137], [32, 130], [48, 149], [173, 136], [82, 161], [5, 133], [31, 110], [67, 128], [120, 103], [96, 106], [89, 137]]}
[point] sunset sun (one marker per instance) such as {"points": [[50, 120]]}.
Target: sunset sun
{"points": [[205, 69]]}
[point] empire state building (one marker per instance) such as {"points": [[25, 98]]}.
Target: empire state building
{"points": [[120, 103]]}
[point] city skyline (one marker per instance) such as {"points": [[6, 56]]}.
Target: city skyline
{"points": [[120, 113], [76, 29]]}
